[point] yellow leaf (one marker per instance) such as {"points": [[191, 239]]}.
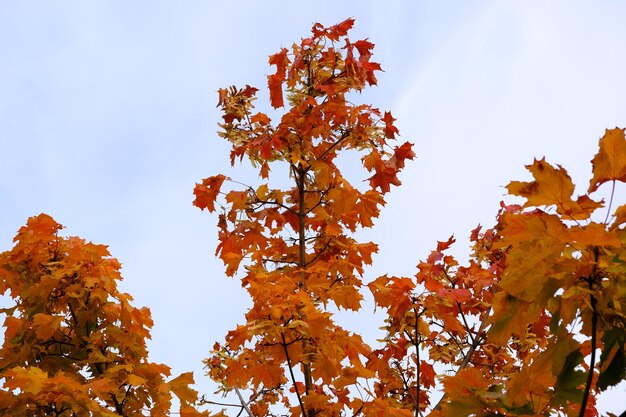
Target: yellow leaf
{"points": [[262, 192], [135, 380], [180, 387], [551, 185], [238, 199], [609, 164], [29, 380], [620, 216]]}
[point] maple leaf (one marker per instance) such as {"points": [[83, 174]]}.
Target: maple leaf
{"points": [[188, 411], [46, 325], [402, 153], [390, 129], [334, 32], [551, 185], [180, 387], [427, 374], [207, 191], [275, 84], [609, 164], [594, 234], [30, 380], [620, 216], [281, 60]]}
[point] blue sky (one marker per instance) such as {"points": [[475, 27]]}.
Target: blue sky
{"points": [[107, 120]]}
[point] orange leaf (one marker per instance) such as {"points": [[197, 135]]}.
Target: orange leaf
{"points": [[269, 375], [188, 411], [180, 387], [609, 164], [390, 129], [238, 199], [595, 234], [260, 118], [28, 380], [551, 185], [580, 209], [281, 60], [275, 85], [207, 192], [620, 216], [45, 325]]}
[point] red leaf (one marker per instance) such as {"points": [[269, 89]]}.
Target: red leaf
{"points": [[474, 234], [441, 246], [281, 60], [340, 29]]}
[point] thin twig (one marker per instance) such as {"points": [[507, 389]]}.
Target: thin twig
{"points": [[594, 336], [468, 356], [293, 377], [244, 404], [608, 209]]}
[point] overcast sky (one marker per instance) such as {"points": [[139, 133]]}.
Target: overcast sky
{"points": [[108, 119]]}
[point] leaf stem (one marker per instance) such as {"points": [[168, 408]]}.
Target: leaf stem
{"points": [[608, 209]]}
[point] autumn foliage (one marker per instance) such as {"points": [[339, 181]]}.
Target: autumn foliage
{"points": [[533, 324], [506, 334], [520, 325], [73, 344], [295, 243]]}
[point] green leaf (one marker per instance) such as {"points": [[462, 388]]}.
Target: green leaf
{"points": [[569, 379], [555, 321], [612, 359]]}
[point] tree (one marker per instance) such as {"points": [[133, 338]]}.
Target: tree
{"points": [[295, 243], [73, 344], [507, 334], [522, 323]]}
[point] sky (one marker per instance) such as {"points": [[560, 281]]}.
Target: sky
{"points": [[108, 119]]}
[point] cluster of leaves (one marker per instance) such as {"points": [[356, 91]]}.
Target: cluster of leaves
{"points": [[73, 344]]}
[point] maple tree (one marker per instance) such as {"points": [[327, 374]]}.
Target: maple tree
{"points": [[73, 343], [522, 323], [295, 242]]}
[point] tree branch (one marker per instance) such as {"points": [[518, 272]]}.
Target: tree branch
{"points": [[244, 404], [293, 377], [594, 337], [470, 352]]}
